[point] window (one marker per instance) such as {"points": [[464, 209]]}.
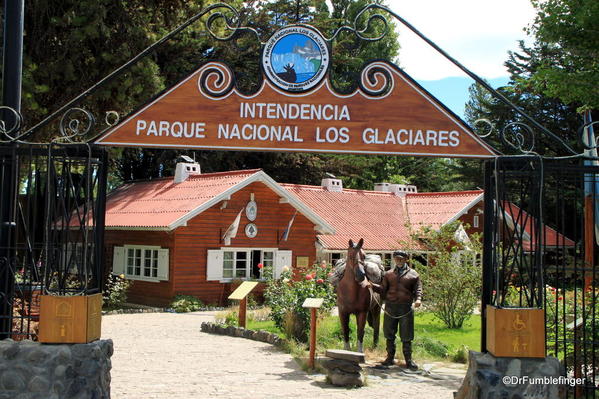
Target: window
{"points": [[141, 262], [235, 264], [243, 263], [475, 221], [334, 257], [74, 259]]}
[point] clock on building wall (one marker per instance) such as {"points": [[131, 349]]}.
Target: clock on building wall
{"points": [[251, 210], [251, 230]]}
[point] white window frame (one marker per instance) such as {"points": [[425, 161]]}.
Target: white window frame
{"points": [[475, 221], [143, 248], [248, 251]]}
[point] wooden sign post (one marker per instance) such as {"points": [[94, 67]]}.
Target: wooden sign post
{"points": [[313, 304], [240, 294]]}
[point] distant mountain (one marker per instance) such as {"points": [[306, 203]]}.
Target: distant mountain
{"points": [[453, 91]]}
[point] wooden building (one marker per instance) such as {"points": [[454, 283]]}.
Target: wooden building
{"points": [[169, 235]]}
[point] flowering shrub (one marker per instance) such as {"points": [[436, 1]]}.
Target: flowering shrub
{"points": [[285, 297], [115, 291]]}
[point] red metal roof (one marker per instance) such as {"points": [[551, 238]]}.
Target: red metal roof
{"points": [[551, 237], [377, 217], [159, 203], [436, 209]]}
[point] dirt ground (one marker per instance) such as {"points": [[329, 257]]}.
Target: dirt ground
{"points": [[164, 355]]}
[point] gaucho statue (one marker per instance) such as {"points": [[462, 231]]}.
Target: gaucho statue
{"points": [[401, 287]]}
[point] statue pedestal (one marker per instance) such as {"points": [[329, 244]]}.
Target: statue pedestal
{"points": [[489, 377]]}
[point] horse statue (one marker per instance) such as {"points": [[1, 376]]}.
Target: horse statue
{"points": [[354, 295]]}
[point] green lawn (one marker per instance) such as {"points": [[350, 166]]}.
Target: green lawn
{"points": [[433, 341]]}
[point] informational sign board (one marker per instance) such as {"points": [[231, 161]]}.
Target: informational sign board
{"points": [[243, 290], [313, 302], [297, 109]]}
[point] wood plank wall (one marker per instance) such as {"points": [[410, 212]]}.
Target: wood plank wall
{"points": [[189, 245], [205, 231]]}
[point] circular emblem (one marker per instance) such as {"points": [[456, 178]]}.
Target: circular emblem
{"points": [[251, 210], [251, 230], [296, 58]]}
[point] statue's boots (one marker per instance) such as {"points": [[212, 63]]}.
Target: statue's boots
{"points": [[389, 361], [407, 353]]}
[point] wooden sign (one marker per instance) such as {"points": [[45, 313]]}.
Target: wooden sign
{"points": [[70, 319], [243, 290], [312, 302], [515, 332], [388, 114], [302, 261]]}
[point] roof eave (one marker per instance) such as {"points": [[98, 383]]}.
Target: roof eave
{"points": [[259, 176], [466, 209]]}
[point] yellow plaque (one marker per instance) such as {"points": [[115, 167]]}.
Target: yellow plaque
{"points": [[301, 261], [313, 302], [243, 290]]}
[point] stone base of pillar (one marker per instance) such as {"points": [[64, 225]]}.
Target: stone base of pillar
{"points": [[511, 378], [33, 370]]}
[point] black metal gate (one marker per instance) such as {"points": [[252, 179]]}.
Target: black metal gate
{"points": [[539, 253], [53, 224]]}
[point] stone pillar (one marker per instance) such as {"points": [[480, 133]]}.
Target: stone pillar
{"points": [[491, 377], [40, 371]]}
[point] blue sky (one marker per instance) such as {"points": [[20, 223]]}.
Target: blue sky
{"points": [[478, 33]]}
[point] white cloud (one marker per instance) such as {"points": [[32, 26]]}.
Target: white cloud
{"points": [[477, 33]]}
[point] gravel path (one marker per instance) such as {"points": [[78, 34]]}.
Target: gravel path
{"points": [[164, 355]]}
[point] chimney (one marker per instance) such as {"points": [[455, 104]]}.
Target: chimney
{"points": [[333, 185], [382, 187], [186, 167], [397, 189]]}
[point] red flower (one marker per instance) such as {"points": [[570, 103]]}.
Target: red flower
{"points": [[309, 277], [559, 298], [320, 281], [260, 265]]}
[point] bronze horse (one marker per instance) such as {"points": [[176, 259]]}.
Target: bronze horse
{"points": [[354, 297]]}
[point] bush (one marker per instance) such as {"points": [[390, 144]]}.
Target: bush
{"points": [[230, 318], [452, 278], [115, 291], [432, 346], [186, 303], [460, 355], [285, 298]]}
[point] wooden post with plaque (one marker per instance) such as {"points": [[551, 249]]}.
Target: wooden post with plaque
{"points": [[313, 304], [515, 332], [240, 294]]}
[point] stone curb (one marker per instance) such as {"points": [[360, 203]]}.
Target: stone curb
{"points": [[165, 310], [133, 310], [232, 331]]}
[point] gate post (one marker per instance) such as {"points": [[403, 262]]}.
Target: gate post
{"points": [[487, 274], [11, 97]]}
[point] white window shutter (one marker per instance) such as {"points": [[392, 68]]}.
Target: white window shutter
{"points": [[118, 260], [163, 264], [214, 265], [282, 259]]}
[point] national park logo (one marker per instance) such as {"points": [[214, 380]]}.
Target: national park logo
{"points": [[296, 58]]}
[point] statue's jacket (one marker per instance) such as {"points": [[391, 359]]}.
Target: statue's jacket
{"points": [[400, 286]]}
